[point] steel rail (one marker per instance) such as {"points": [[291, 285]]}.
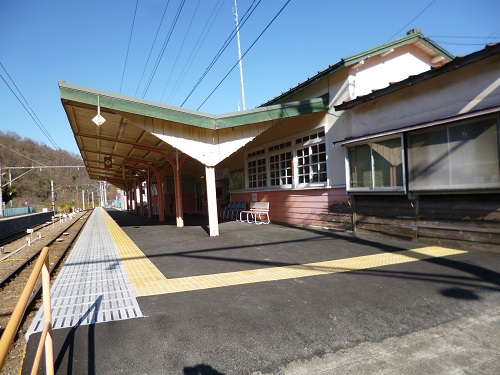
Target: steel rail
{"points": [[9, 277]]}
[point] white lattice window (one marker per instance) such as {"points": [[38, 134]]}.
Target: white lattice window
{"points": [[256, 169], [280, 169], [311, 159]]}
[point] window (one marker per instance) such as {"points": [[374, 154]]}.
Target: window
{"points": [[292, 162], [360, 166], [280, 169], [376, 166], [464, 155], [311, 164], [311, 159], [257, 176]]}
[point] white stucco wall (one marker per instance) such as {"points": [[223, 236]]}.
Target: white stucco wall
{"points": [[335, 129], [378, 72], [462, 90], [381, 75]]}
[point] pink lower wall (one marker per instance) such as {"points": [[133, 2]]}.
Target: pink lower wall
{"points": [[298, 207]]}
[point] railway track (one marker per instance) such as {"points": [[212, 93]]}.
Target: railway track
{"points": [[16, 265]]}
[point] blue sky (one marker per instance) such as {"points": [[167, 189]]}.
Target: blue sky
{"points": [[85, 43]]}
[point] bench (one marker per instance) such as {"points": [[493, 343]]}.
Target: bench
{"points": [[233, 209], [258, 213]]}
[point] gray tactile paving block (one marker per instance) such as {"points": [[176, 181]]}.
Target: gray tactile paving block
{"points": [[92, 286]]}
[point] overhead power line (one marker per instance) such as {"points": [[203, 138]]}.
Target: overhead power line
{"points": [[30, 111], [196, 49], [459, 44], [128, 47], [24, 156], [248, 50], [414, 19], [180, 49], [165, 43], [460, 37], [224, 47], [152, 46]]}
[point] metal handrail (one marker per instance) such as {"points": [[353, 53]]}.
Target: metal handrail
{"points": [[41, 266]]}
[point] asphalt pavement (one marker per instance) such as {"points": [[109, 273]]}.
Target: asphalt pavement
{"points": [[434, 316]]}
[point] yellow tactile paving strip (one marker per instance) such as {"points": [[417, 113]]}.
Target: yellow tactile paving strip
{"points": [[148, 280], [145, 278]]}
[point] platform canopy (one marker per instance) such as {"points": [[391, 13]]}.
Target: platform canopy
{"points": [[138, 134]]}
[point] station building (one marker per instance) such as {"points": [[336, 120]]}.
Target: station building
{"points": [[398, 140]]}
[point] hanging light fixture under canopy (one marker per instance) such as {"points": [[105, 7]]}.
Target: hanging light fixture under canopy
{"points": [[98, 119]]}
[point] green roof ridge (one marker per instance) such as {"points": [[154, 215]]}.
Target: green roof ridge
{"points": [[185, 116], [412, 35]]}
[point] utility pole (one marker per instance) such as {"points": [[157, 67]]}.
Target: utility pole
{"points": [[10, 185], [83, 199], [239, 56], [104, 184], [52, 196], [101, 193]]}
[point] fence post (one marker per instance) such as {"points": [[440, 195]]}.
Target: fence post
{"points": [[47, 313]]}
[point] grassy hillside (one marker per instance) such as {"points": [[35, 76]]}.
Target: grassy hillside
{"points": [[33, 185]]}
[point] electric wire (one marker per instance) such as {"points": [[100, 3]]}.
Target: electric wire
{"points": [[248, 50], [30, 111], [494, 32], [196, 49], [128, 47], [152, 46], [223, 48], [414, 19], [460, 37], [165, 44], [24, 156], [459, 44], [180, 49]]}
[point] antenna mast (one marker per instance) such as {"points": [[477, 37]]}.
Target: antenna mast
{"points": [[239, 56]]}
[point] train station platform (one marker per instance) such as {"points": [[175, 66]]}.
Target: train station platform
{"points": [[14, 224], [139, 296]]}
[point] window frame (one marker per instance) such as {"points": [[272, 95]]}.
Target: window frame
{"points": [[319, 140], [290, 144], [257, 155], [278, 153], [374, 189], [457, 187]]}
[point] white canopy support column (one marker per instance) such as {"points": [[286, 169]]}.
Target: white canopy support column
{"points": [[213, 222], [179, 210]]}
